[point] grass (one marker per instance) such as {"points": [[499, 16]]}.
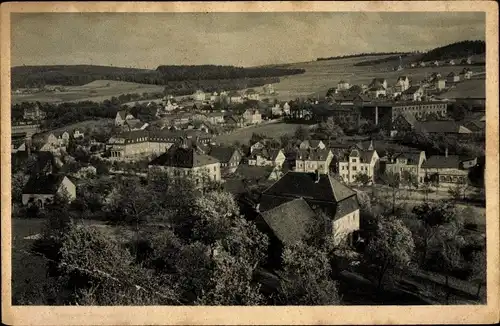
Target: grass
{"points": [[273, 130], [475, 87], [95, 91]]}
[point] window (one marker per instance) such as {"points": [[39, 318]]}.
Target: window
{"points": [[354, 168], [353, 160]]}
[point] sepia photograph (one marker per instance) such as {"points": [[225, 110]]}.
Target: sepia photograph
{"points": [[249, 158]]}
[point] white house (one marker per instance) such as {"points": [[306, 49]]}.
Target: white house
{"points": [[343, 85], [78, 134], [252, 116], [359, 162], [122, 116], [199, 95]]}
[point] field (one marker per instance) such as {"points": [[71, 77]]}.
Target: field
{"points": [[273, 130], [322, 75], [475, 88], [97, 91]]}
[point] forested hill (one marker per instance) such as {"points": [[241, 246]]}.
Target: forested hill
{"points": [[455, 50], [74, 75], [210, 72]]}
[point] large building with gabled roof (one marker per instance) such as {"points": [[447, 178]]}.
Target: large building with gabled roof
{"points": [[336, 203], [185, 160]]}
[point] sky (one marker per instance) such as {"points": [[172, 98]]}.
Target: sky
{"points": [[146, 40]]}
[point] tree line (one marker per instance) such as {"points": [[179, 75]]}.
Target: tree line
{"points": [[455, 50], [39, 76], [359, 55]]}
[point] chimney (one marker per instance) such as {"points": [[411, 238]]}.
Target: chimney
{"points": [[446, 152], [318, 176]]}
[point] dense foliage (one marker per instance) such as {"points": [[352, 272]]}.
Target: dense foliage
{"points": [[358, 55], [455, 50]]}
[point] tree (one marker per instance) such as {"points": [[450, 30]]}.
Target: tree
{"points": [[302, 133], [391, 248], [409, 179], [432, 216], [478, 274], [392, 180], [362, 178], [306, 278], [331, 129], [19, 179]]}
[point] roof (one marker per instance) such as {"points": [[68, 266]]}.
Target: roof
{"points": [[270, 154], [441, 126], [377, 88], [43, 184], [312, 143], [451, 74], [253, 172], [408, 117], [313, 154], [122, 114], [342, 82], [290, 221], [411, 157], [412, 90], [222, 153], [364, 156], [302, 184], [134, 123], [402, 78], [442, 162], [182, 157]]}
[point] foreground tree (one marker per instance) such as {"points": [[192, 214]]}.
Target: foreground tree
{"points": [[393, 180], [391, 248], [306, 277], [478, 274]]}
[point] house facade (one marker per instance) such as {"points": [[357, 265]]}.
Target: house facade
{"points": [[121, 117], [359, 162], [407, 163], [34, 113], [228, 157], [446, 171], [414, 93], [343, 85], [452, 78], [252, 116], [267, 157], [187, 161], [402, 84], [312, 160]]}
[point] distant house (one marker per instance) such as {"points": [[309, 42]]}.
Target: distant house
{"points": [[414, 93], [476, 126], [343, 85], [376, 82], [359, 162], [77, 133], [86, 171], [41, 189], [257, 146], [215, 118], [181, 161], [34, 113], [466, 73], [312, 144], [452, 78], [252, 116], [404, 122], [228, 157], [235, 97], [312, 160], [446, 127], [122, 116], [199, 95], [447, 170], [436, 63], [402, 84], [233, 121], [251, 94], [135, 124], [422, 64], [434, 76], [267, 157], [440, 84], [410, 162], [377, 91], [451, 62], [286, 108], [337, 204]]}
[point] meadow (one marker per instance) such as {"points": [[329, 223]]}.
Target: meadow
{"points": [[322, 75], [96, 91], [273, 130]]}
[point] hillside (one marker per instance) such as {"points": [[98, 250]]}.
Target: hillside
{"points": [[360, 55], [456, 50], [78, 75]]}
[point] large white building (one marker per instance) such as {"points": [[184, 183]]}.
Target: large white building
{"points": [[359, 162]]}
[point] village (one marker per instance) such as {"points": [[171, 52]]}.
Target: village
{"points": [[355, 156]]}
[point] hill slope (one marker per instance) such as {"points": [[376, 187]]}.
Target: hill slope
{"points": [[455, 50]]}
